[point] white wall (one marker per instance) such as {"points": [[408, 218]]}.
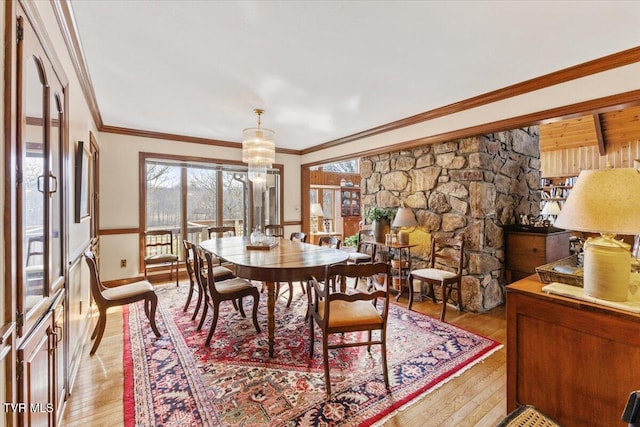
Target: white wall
{"points": [[119, 191], [615, 81]]}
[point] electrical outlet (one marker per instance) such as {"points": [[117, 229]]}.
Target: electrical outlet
{"points": [[123, 263]]}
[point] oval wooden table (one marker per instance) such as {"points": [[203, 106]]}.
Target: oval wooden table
{"points": [[288, 261]]}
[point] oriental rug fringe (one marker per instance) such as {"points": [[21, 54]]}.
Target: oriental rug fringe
{"points": [[175, 380]]}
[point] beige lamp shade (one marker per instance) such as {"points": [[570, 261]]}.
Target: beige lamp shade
{"points": [[404, 218], [606, 202], [551, 208], [316, 209], [603, 201]]}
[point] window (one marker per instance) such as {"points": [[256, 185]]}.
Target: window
{"points": [[188, 196]]}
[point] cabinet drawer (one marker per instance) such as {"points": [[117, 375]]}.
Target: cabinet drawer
{"points": [[525, 252]]}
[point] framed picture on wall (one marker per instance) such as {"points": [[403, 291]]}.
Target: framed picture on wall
{"points": [[82, 181]]}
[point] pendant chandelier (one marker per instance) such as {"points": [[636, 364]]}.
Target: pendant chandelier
{"points": [[258, 150]]}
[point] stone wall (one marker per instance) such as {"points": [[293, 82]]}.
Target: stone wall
{"points": [[468, 187]]}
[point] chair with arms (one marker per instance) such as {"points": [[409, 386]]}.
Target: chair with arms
{"points": [[445, 269], [274, 230], [159, 250], [120, 295], [337, 312], [223, 231], [224, 290]]}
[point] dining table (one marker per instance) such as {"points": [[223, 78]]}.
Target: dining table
{"points": [[286, 261]]}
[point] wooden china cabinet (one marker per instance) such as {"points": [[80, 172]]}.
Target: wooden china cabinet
{"points": [[34, 332]]}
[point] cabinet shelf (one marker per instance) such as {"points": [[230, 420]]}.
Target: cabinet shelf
{"points": [[350, 201]]}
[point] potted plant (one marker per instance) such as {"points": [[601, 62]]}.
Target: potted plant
{"points": [[381, 219]]}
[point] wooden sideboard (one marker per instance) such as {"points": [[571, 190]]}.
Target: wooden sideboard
{"points": [[526, 250], [576, 362]]}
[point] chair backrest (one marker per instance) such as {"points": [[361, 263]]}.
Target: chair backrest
{"points": [[94, 278], [330, 241], [224, 231], [299, 235], [274, 230], [367, 244], [35, 247], [447, 253], [158, 242], [209, 282], [340, 273], [189, 257]]}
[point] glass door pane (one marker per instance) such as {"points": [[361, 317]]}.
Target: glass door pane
{"points": [[202, 202], [34, 180], [55, 205], [164, 200], [234, 201]]}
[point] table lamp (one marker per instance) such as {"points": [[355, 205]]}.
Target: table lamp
{"points": [[551, 210], [316, 211], [404, 218], [607, 202]]}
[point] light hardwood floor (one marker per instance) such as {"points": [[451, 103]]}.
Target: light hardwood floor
{"points": [[477, 397]]}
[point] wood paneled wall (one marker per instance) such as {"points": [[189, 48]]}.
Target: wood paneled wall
{"points": [[320, 177], [570, 161]]}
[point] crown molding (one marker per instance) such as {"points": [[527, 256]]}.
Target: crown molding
{"points": [[66, 21], [605, 63]]}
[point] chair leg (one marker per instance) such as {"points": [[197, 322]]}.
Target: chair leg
{"points": [[432, 293], [214, 322], [325, 360], [204, 314], [290, 295], [444, 302], [102, 321], [302, 287], [410, 285], [97, 327], [198, 304], [235, 304], [311, 337], [153, 302], [240, 307], [460, 296], [189, 296], [383, 349], [177, 275], [256, 300]]}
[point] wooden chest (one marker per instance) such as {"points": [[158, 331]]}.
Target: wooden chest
{"points": [[527, 250]]}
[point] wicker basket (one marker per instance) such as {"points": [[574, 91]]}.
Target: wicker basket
{"points": [[548, 274]]}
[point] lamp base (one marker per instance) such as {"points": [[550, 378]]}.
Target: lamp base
{"points": [[607, 268], [403, 237]]}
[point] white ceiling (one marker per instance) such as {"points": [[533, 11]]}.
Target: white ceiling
{"points": [[326, 69]]}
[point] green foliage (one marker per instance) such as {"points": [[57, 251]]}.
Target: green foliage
{"points": [[376, 213], [351, 240]]}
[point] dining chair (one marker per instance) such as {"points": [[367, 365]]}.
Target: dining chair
{"points": [[338, 312], [215, 292], [330, 241], [274, 230], [120, 295], [297, 236], [159, 250], [222, 231], [365, 251], [220, 273], [445, 269]]}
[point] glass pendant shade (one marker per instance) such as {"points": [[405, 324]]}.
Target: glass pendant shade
{"points": [[258, 148]]}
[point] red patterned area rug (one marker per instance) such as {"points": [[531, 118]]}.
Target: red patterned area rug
{"points": [[176, 381]]}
